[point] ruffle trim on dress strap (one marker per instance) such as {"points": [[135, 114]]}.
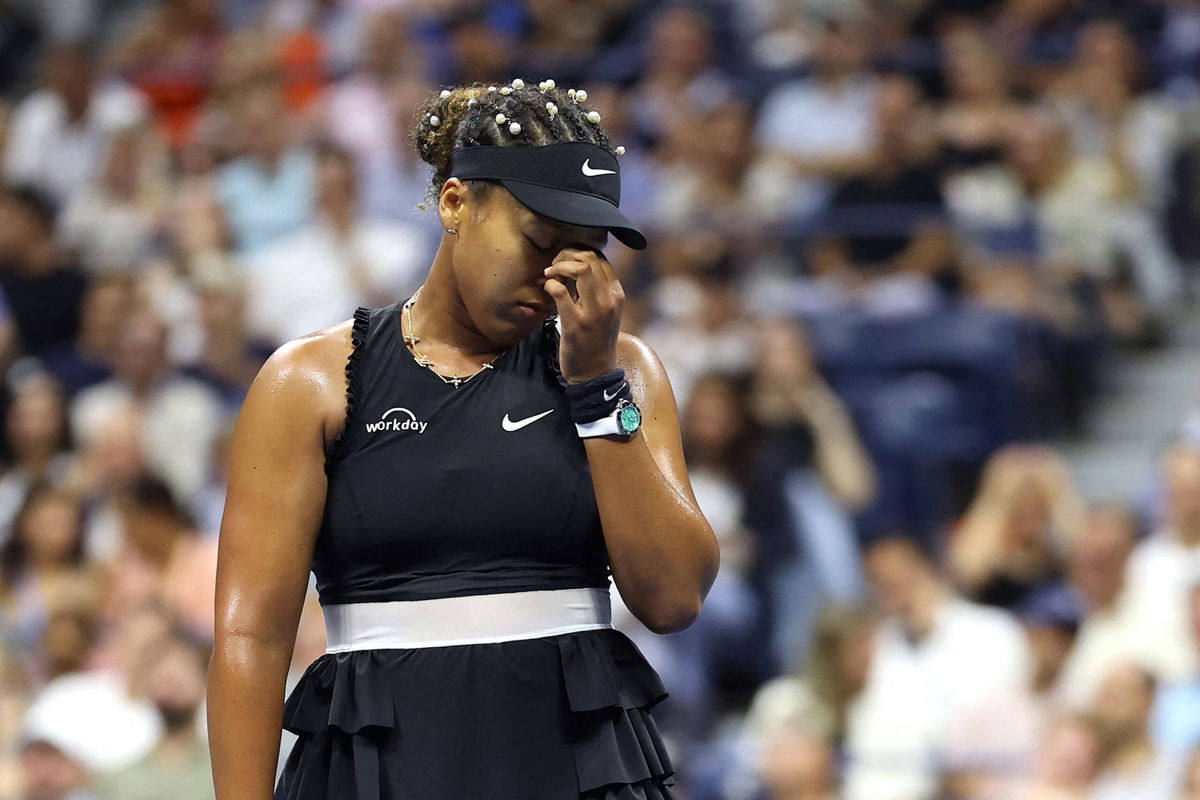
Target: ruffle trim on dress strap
{"points": [[611, 688], [358, 335]]}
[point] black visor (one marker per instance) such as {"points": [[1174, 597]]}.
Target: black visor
{"points": [[573, 182]]}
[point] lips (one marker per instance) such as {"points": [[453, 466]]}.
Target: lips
{"points": [[539, 308]]}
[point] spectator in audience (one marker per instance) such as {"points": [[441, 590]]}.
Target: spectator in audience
{"points": [[993, 745], [1163, 565], [101, 714], [178, 767], [479, 52], [50, 770], [42, 290], [702, 326], [884, 235], [1132, 765], [313, 278], [1023, 520], [1176, 718], [89, 359], [811, 473], [267, 191], [1067, 762], [112, 222], [230, 356], [796, 724], [36, 428], [823, 124], [164, 560], [60, 133], [180, 417], [679, 79], [169, 55], [360, 110], [974, 123], [1114, 626], [68, 641], [43, 566], [718, 182], [934, 655]]}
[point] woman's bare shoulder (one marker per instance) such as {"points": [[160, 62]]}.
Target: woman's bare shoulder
{"points": [[308, 374]]}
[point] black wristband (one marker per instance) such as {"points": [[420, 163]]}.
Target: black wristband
{"points": [[597, 398]]}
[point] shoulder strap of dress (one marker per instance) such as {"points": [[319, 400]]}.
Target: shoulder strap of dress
{"points": [[358, 335]]}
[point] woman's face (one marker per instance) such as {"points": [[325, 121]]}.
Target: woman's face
{"points": [[36, 420], [713, 419], [500, 255], [51, 530]]}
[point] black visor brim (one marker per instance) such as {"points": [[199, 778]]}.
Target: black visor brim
{"points": [[574, 208]]}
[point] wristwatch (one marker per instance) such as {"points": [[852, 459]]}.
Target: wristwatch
{"points": [[625, 420]]}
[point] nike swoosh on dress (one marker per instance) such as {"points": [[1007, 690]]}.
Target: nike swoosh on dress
{"points": [[510, 425]]}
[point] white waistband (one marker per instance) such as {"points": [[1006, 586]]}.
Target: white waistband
{"points": [[474, 619]]}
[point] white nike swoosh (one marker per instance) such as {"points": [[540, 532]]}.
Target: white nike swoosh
{"points": [[591, 173], [608, 396], [509, 425]]}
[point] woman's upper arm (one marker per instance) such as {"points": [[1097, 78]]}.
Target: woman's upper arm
{"points": [[276, 492], [660, 416]]}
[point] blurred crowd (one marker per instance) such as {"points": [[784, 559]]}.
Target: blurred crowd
{"points": [[896, 248]]}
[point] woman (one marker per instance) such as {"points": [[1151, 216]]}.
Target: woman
{"points": [[435, 463], [1011, 542], [43, 566]]}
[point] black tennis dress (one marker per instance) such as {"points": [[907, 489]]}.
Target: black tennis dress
{"points": [[430, 496]]}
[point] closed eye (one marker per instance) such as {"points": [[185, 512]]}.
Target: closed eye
{"points": [[537, 247]]}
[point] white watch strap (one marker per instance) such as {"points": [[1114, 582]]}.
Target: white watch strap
{"points": [[605, 426]]}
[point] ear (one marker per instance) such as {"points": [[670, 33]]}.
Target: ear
{"points": [[453, 203]]}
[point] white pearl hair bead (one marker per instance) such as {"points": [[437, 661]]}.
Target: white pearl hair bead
{"points": [[581, 96], [593, 117], [550, 83], [501, 119], [571, 93], [434, 122], [506, 91], [620, 150], [445, 93], [515, 128], [518, 83], [491, 88], [553, 109], [472, 102]]}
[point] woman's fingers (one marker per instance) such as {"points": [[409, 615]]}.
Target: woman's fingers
{"points": [[594, 281]]}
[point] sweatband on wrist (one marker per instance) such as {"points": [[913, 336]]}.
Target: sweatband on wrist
{"points": [[597, 398]]}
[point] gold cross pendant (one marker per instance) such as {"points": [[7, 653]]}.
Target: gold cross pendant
{"points": [[410, 340]]}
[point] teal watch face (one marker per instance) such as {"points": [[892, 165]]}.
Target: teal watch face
{"points": [[629, 418]]}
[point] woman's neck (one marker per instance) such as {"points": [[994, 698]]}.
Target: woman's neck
{"points": [[441, 320]]}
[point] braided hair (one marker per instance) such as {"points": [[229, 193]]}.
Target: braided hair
{"points": [[515, 115]]}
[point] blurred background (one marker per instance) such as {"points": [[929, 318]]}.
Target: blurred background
{"points": [[922, 272]]}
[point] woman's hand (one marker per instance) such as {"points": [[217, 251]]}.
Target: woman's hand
{"points": [[589, 299]]}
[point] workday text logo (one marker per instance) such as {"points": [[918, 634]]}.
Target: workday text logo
{"points": [[397, 419]]}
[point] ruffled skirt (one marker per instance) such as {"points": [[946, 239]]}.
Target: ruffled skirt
{"points": [[558, 718]]}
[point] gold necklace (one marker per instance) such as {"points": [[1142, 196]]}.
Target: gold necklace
{"points": [[425, 361]]}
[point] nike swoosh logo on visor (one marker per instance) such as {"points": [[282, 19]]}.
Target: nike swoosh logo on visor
{"points": [[608, 396], [509, 425], [591, 173]]}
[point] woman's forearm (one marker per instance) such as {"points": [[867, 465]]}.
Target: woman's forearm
{"points": [[663, 553], [245, 715]]}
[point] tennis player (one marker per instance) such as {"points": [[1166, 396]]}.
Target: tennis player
{"points": [[463, 471]]}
